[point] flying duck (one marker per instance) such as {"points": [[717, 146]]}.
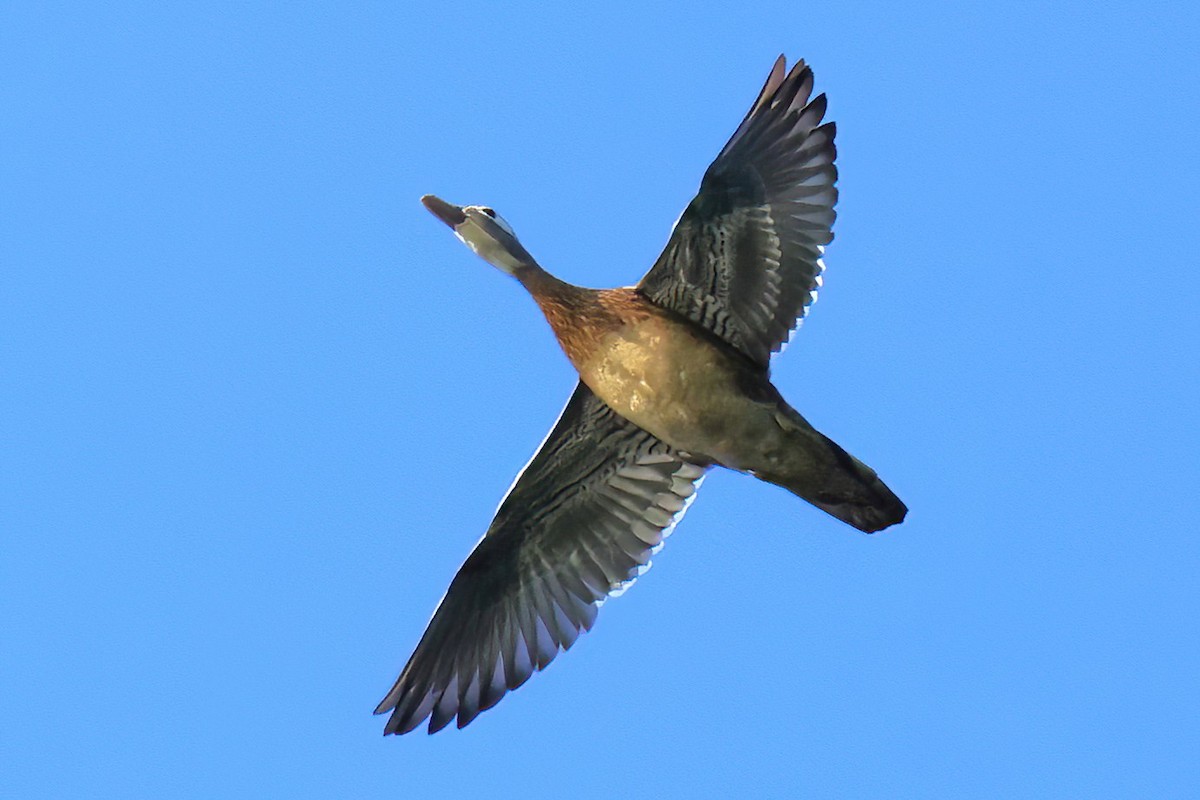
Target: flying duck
{"points": [[673, 380]]}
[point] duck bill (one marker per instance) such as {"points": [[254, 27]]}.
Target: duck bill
{"points": [[448, 213]]}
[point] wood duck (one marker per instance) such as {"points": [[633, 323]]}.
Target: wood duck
{"points": [[673, 380]]}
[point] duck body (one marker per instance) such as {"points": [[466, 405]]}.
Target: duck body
{"points": [[653, 368], [669, 376]]}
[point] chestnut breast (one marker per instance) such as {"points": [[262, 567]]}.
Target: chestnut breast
{"points": [[658, 372]]}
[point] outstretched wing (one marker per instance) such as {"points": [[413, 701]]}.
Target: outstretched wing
{"points": [[744, 260], [579, 524]]}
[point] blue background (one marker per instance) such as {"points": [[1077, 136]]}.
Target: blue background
{"points": [[256, 404]]}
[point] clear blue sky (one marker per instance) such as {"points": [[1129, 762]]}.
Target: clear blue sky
{"points": [[256, 404]]}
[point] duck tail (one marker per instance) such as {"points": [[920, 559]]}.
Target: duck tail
{"points": [[855, 495], [818, 470]]}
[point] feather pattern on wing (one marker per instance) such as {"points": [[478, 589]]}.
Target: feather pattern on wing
{"points": [[744, 259], [578, 526]]}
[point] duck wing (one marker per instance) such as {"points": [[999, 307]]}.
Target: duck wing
{"points": [[744, 259], [578, 525]]}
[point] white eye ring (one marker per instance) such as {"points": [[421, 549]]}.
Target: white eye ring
{"points": [[501, 221]]}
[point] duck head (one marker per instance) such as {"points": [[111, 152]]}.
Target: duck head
{"points": [[484, 231]]}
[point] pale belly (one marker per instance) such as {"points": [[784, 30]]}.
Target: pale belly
{"points": [[681, 388]]}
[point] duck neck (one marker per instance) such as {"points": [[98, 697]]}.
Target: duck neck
{"points": [[540, 283], [574, 313]]}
